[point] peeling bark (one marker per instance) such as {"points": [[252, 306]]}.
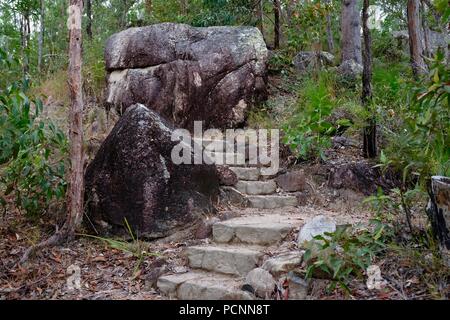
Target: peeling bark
{"points": [[350, 30], [370, 137], [415, 39]]}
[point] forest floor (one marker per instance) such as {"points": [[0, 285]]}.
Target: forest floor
{"points": [[110, 273]]}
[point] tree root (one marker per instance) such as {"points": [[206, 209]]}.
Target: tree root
{"points": [[57, 238]]}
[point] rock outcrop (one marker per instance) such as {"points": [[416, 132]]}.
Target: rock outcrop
{"points": [[350, 70], [185, 73], [305, 61], [436, 40], [133, 177]]}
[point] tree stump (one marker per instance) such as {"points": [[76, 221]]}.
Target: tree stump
{"points": [[438, 211]]}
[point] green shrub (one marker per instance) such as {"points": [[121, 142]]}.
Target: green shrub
{"points": [[346, 252], [419, 148], [308, 133], [32, 166], [386, 47]]}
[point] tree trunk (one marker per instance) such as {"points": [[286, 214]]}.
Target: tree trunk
{"points": [[330, 40], [415, 39], [22, 41], [370, 141], [123, 15], [289, 12], [426, 32], [76, 187], [148, 6], [438, 211], [25, 39], [276, 12], [260, 15], [183, 6], [41, 34], [350, 30], [89, 18]]}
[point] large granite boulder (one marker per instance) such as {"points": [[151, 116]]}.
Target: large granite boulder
{"points": [[133, 177], [186, 73]]}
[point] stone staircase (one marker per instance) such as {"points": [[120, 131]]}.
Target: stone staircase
{"points": [[238, 245], [252, 191], [254, 188]]}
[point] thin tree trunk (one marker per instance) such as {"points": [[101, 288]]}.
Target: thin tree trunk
{"points": [[276, 12], [89, 18], [415, 39], [76, 185], [260, 15], [330, 40], [148, 6], [289, 12], [22, 41], [350, 29], [370, 141], [41, 35], [25, 37], [183, 4], [123, 14], [426, 32]]}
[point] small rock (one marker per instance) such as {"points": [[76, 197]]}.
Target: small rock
{"points": [[227, 215], [317, 226], [204, 229], [231, 195], [359, 176], [261, 281], [374, 278], [308, 60], [298, 287], [283, 263], [180, 269], [341, 142], [302, 198], [248, 288], [226, 176], [350, 69], [152, 277], [292, 181], [158, 262]]}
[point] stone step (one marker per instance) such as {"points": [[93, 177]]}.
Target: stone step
{"points": [[235, 260], [262, 230], [256, 187], [221, 158], [231, 195], [248, 174], [200, 285], [271, 201]]}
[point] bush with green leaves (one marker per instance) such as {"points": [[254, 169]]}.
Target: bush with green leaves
{"points": [[346, 252], [419, 148], [310, 25], [308, 132], [33, 152]]}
